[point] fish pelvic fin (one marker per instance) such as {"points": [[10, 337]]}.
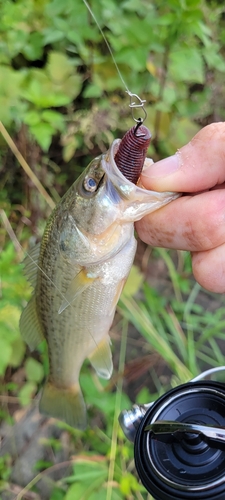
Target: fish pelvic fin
{"points": [[30, 327], [101, 358], [65, 404]]}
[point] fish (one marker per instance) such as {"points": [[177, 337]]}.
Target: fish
{"points": [[77, 273]]}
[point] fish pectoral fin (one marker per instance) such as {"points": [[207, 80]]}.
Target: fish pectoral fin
{"points": [[65, 404], [77, 286], [101, 358], [30, 327]]}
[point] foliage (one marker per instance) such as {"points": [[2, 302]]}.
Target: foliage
{"points": [[62, 99], [174, 324], [15, 291], [13, 288], [57, 75], [178, 327]]}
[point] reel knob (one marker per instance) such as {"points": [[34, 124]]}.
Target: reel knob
{"points": [[179, 446]]}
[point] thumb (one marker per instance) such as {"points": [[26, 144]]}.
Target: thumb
{"points": [[197, 166]]}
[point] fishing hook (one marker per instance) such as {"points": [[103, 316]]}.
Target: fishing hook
{"points": [[138, 103]]}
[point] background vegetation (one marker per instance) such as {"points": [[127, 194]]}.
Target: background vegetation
{"points": [[63, 102]]}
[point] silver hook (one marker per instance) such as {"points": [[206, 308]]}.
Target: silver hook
{"points": [[139, 103]]}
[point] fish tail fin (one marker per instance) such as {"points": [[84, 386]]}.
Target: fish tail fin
{"points": [[65, 404]]}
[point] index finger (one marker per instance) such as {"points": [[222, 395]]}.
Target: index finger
{"points": [[197, 166]]}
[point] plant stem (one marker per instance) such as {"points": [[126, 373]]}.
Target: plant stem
{"points": [[160, 95], [26, 167]]}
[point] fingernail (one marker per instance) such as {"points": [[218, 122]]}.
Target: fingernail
{"points": [[163, 168]]}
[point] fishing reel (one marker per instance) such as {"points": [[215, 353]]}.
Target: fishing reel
{"points": [[179, 441]]}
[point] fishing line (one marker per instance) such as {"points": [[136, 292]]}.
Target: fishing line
{"points": [[108, 46], [137, 102]]}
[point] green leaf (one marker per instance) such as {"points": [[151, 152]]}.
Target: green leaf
{"points": [[116, 495], [143, 396], [186, 65], [134, 281], [51, 36], [6, 352], [57, 494], [33, 49], [18, 351], [100, 495], [32, 117], [92, 90], [182, 131], [9, 317], [54, 118], [88, 468], [43, 92], [72, 86], [128, 484], [34, 370], [42, 464], [76, 491], [43, 133], [213, 58], [26, 393], [136, 59], [59, 67]]}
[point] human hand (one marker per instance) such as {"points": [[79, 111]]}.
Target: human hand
{"points": [[196, 221]]}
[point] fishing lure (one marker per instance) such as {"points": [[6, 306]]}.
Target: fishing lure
{"points": [[132, 152]]}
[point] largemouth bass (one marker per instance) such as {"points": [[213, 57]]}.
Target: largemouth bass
{"points": [[78, 272]]}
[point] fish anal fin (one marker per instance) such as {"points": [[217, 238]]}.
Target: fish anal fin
{"points": [[30, 265], [101, 358], [30, 327], [77, 286], [65, 404]]}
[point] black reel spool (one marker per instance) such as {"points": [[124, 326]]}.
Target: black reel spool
{"points": [[184, 462]]}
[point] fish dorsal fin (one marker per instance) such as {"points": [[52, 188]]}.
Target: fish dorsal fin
{"points": [[30, 327], [101, 358], [30, 265], [77, 286]]}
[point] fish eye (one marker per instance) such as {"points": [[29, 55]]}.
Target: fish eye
{"points": [[90, 184]]}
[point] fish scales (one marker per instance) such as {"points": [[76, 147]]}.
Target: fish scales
{"points": [[85, 256], [80, 326]]}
